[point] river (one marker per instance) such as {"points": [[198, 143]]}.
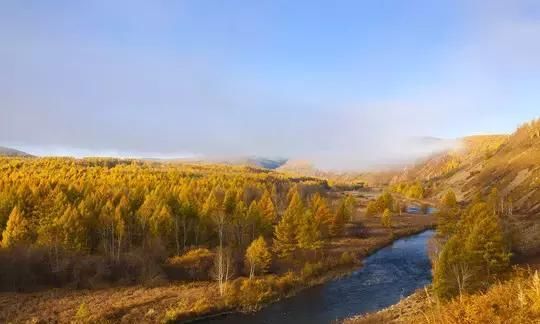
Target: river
{"points": [[387, 276]]}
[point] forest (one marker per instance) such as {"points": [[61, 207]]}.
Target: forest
{"points": [[85, 222]]}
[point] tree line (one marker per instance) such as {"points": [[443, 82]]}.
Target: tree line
{"points": [[111, 208]]}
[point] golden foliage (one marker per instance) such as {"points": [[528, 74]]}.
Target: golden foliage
{"points": [[258, 257], [515, 301]]}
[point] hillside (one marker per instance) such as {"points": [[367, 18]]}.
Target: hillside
{"points": [[355, 178], [6, 151], [482, 162], [471, 151]]}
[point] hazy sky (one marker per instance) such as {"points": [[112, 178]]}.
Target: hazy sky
{"points": [[342, 83]]}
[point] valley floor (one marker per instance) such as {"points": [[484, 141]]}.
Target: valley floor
{"points": [[184, 300]]}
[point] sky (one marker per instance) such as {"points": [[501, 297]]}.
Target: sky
{"points": [[345, 84]]}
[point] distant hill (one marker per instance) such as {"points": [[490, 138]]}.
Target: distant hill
{"points": [[470, 151], [301, 167], [265, 162], [252, 161], [6, 151]]}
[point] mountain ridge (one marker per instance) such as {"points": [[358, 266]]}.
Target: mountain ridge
{"points": [[6, 151]]}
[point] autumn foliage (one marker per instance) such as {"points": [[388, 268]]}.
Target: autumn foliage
{"points": [[155, 220]]}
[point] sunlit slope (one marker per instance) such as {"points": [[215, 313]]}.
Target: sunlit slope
{"points": [[511, 163], [514, 169], [454, 165]]}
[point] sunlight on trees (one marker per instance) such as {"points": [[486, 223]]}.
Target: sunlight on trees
{"points": [[17, 230], [258, 257], [475, 254]]}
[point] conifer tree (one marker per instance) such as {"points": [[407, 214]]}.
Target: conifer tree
{"points": [[322, 214], [75, 236], [240, 224], [229, 202], [386, 219], [285, 231], [257, 222], [266, 205], [17, 230], [447, 216], [449, 200], [474, 256], [309, 236], [337, 224]]}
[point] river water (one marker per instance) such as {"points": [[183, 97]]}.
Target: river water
{"points": [[387, 276]]}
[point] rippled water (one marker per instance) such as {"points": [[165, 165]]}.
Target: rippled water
{"points": [[388, 275]]}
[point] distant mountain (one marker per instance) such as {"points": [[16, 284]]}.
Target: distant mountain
{"points": [[252, 161], [6, 151], [265, 162]]}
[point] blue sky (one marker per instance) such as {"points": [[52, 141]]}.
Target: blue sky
{"points": [[342, 83]]}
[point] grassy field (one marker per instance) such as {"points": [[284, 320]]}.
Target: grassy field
{"points": [[168, 301]]}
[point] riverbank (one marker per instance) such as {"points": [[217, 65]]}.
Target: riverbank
{"points": [[387, 275], [422, 307], [403, 312], [513, 300], [188, 301]]}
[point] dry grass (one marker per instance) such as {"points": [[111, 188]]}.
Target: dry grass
{"points": [[403, 312], [122, 304]]}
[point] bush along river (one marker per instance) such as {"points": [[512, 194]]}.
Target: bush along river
{"points": [[386, 276]]}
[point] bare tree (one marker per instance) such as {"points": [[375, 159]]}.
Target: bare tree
{"points": [[223, 269], [461, 275]]}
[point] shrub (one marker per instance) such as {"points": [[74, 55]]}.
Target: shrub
{"points": [[255, 292], [348, 258], [83, 314], [194, 264], [312, 269], [286, 282], [191, 307]]}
